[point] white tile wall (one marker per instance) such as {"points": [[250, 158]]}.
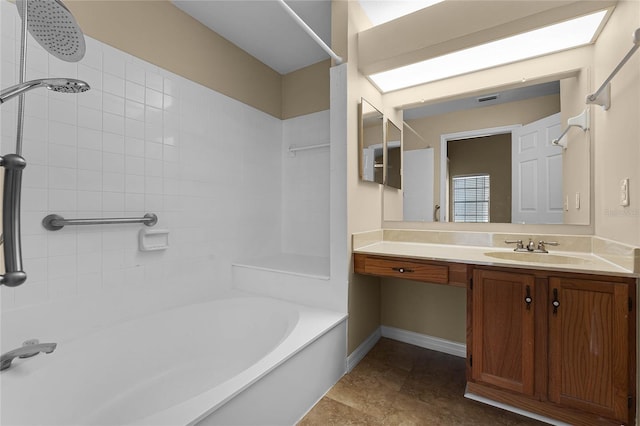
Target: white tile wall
{"points": [[145, 140], [305, 186]]}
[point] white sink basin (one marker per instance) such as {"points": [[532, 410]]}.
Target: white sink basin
{"points": [[555, 259]]}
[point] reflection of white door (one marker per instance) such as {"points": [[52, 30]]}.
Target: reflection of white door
{"points": [[537, 172], [368, 161], [417, 185]]}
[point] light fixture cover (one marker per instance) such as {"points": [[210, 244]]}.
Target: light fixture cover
{"points": [[554, 38]]}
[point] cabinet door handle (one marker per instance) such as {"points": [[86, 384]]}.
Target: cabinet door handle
{"points": [[555, 302], [402, 270], [527, 298]]}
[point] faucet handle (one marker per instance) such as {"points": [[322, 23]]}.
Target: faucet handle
{"points": [[542, 244], [517, 242]]}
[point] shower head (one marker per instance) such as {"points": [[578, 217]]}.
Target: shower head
{"points": [[54, 27], [64, 85]]}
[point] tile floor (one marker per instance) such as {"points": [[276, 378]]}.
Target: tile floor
{"points": [[401, 384]]}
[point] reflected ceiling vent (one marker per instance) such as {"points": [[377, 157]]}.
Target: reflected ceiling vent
{"points": [[487, 98]]}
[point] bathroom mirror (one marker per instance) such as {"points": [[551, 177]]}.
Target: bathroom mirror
{"points": [[371, 138], [393, 155], [489, 158]]}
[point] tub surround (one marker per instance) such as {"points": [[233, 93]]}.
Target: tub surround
{"points": [[591, 254], [292, 277], [316, 267]]}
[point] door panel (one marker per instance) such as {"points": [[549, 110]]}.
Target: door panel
{"points": [[417, 171], [503, 330], [588, 346], [537, 173]]}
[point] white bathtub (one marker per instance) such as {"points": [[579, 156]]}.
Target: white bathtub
{"points": [[230, 361]]}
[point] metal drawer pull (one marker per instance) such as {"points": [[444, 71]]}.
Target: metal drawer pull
{"points": [[402, 270], [555, 302], [528, 298]]}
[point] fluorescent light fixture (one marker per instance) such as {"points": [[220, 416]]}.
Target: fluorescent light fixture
{"points": [[554, 38], [381, 11]]}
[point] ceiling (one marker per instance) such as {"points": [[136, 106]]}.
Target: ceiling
{"points": [[263, 29], [487, 99]]}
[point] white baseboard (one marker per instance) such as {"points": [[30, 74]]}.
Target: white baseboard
{"points": [[362, 350], [417, 339], [424, 341]]}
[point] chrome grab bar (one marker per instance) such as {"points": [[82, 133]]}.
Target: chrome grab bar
{"points": [[14, 275], [54, 222]]}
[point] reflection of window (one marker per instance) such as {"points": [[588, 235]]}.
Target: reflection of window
{"points": [[471, 198]]}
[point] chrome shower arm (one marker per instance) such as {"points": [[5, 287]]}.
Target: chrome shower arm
{"points": [[64, 85], [18, 89]]}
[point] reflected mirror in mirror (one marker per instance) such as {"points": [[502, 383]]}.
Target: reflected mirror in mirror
{"points": [[394, 156], [371, 138], [489, 158]]}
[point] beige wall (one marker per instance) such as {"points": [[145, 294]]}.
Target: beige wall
{"points": [[489, 155], [617, 131], [578, 158], [160, 33], [306, 90], [363, 198], [431, 309]]}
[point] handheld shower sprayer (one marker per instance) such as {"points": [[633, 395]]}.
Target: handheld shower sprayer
{"points": [[53, 26], [63, 85]]}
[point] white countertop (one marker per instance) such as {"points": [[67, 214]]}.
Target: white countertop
{"points": [[580, 261]]}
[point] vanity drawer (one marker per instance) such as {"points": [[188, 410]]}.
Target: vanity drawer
{"points": [[407, 269]]}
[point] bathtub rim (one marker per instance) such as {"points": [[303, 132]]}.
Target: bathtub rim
{"points": [[197, 408]]}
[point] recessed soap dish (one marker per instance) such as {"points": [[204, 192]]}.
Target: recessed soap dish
{"points": [[153, 239]]}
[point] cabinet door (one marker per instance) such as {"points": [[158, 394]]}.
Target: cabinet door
{"points": [[589, 346], [503, 330]]}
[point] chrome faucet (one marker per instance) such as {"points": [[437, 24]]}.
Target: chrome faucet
{"points": [[28, 349], [531, 245]]}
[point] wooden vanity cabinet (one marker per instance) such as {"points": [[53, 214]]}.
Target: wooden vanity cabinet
{"points": [[561, 345], [589, 346], [434, 272], [503, 330]]}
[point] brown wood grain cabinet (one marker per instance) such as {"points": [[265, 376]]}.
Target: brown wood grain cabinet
{"points": [[589, 346], [503, 330], [559, 344], [435, 272]]}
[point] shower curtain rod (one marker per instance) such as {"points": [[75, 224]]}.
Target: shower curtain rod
{"points": [[602, 97], [310, 31], [415, 133], [294, 148]]}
